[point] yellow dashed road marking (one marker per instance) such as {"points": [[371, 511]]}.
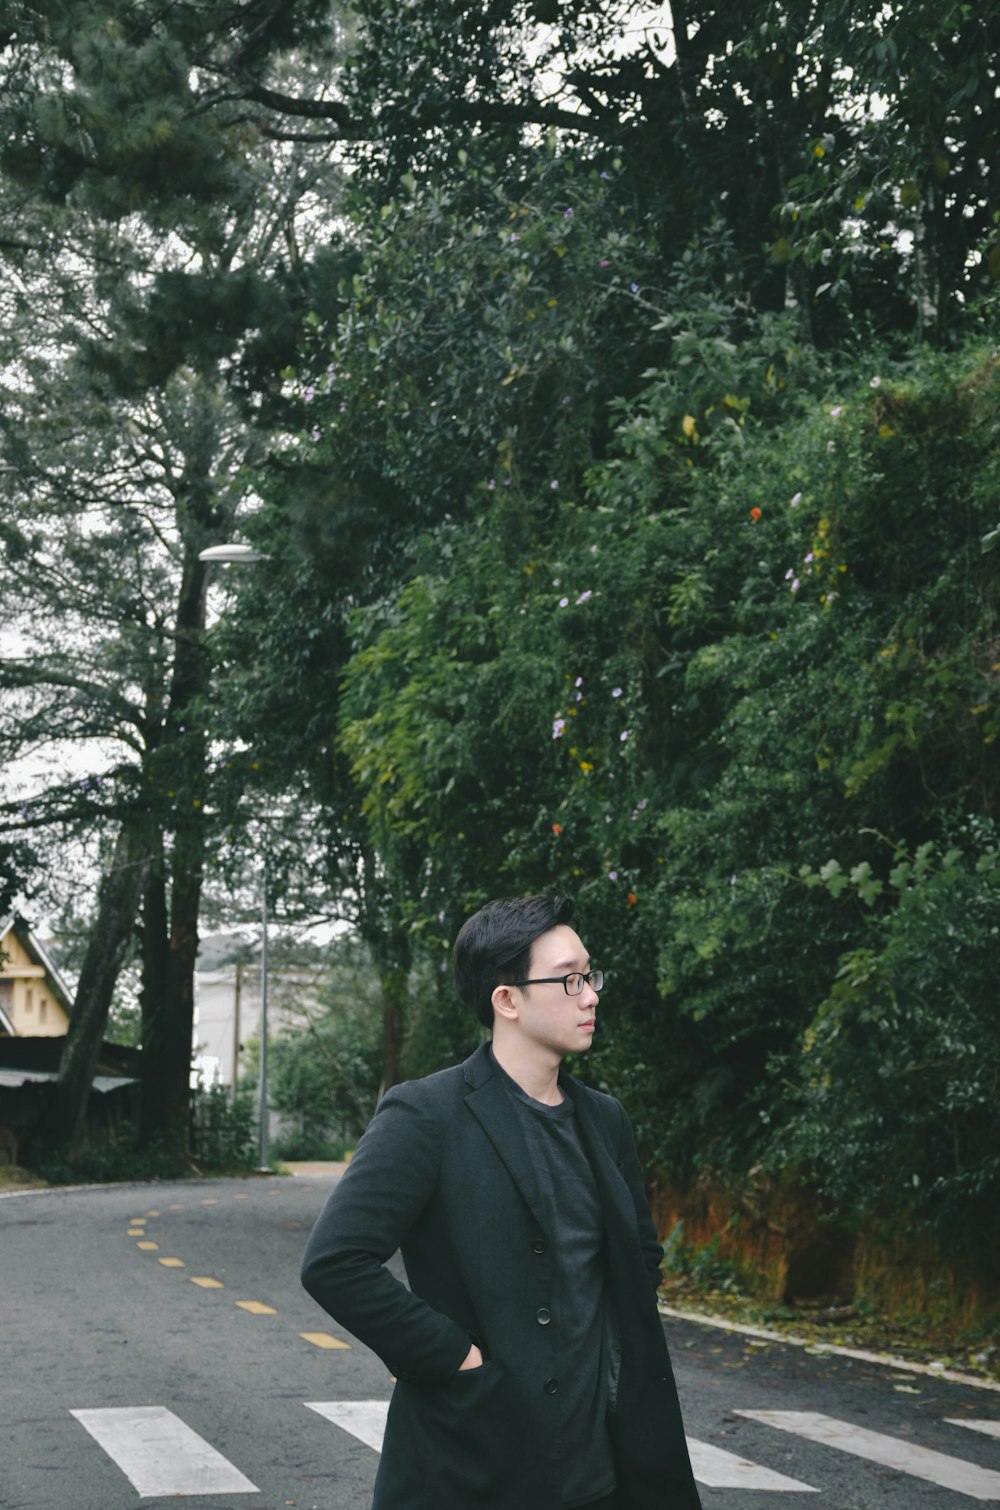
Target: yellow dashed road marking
{"points": [[137, 1232], [242, 1197], [152, 1213], [171, 1263], [212, 1200], [148, 1247], [207, 1283], [175, 1208], [323, 1339], [256, 1308]]}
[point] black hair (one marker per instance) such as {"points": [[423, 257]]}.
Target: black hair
{"points": [[493, 947]]}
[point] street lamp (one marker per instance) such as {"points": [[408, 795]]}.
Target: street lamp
{"points": [[235, 554]]}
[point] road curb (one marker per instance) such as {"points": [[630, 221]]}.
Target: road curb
{"points": [[888, 1360]]}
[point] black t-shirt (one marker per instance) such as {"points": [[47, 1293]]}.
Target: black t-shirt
{"points": [[573, 1222]]}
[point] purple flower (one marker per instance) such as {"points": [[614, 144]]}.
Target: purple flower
{"points": [[623, 735], [579, 697], [554, 483], [578, 682], [558, 728], [789, 573], [605, 175], [876, 382], [612, 875], [563, 602], [796, 500], [584, 596], [616, 692], [492, 484], [310, 394], [837, 411], [514, 236], [634, 287], [604, 262], [567, 214], [796, 585], [808, 557]]}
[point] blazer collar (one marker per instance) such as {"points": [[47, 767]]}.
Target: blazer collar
{"points": [[488, 1101]]}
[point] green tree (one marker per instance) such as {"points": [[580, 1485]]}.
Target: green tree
{"points": [[325, 1075], [137, 352]]}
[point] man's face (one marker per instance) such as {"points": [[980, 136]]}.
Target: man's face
{"points": [[555, 1021]]}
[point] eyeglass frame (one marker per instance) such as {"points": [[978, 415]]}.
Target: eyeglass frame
{"points": [[560, 980]]}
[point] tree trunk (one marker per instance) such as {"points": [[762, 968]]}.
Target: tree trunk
{"points": [[155, 972], [392, 952], [117, 903], [394, 980], [171, 921], [170, 948]]}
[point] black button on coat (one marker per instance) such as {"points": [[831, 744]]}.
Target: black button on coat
{"points": [[443, 1173]]}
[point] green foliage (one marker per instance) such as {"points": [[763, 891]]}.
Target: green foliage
{"points": [[224, 1135], [900, 1068], [325, 1076], [490, 321], [112, 1157], [704, 1266], [764, 622]]}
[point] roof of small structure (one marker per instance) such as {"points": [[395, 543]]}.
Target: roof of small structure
{"points": [[35, 947]]}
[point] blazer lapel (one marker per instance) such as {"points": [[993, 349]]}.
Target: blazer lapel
{"points": [[490, 1105], [619, 1210]]}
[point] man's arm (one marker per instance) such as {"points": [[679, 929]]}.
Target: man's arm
{"points": [[382, 1193]]}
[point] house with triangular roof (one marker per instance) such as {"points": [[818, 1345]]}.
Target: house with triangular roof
{"points": [[35, 1001]]}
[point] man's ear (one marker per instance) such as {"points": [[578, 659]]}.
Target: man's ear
{"points": [[504, 1004]]}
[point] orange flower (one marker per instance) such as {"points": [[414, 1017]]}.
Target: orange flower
{"points": [[557, 829], [755, 514], [632, 899]]}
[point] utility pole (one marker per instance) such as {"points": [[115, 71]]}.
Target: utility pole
{"points": [[237, 996]]}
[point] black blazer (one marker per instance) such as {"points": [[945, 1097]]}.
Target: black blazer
{"points": [[443, 1173]]}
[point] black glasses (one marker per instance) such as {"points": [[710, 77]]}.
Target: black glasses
{"points": [[572, 984]]}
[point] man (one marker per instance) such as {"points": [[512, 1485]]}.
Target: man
{"points": [[531, 1367]]}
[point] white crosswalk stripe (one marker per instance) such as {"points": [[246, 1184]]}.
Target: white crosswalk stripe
{"points": [[988, 1428], [718, 1469], [892, 1452], [713, 1466], [364, 1419], [160, 1454]]}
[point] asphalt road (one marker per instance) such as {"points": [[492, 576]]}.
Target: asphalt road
{"points": [[170, 1318]]}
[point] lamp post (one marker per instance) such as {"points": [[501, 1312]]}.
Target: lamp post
{"points": [[263, 1167], [234, 554]]}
